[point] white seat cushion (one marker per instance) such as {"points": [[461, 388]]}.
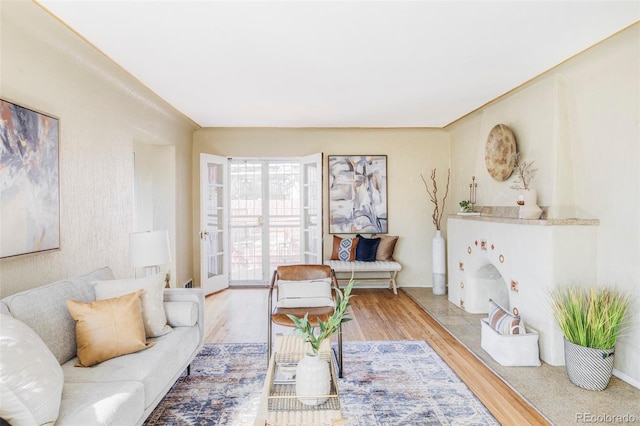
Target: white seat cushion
{"points": [[102, 403], [378, 265]]}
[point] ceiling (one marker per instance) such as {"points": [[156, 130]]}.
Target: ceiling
{"points": [[338, 63]]}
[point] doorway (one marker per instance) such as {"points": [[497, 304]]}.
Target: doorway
{"points": [[274, 216]]}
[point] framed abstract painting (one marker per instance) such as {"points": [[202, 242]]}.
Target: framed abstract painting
{"points": [[358, 194], [29, 181]]}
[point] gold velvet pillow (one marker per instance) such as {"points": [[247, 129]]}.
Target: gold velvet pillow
{"points": [[386, 247], [108, 328], [344, 249]]}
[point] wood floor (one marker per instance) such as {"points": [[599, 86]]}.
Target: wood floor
{"points": [[240, 316]]}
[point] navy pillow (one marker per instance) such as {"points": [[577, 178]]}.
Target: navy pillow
{"points": [[367, 248]]}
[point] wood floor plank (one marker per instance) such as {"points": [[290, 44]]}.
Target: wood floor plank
{"points": [[240, 316]]}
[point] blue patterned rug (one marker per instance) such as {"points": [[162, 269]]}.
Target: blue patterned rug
{"points": [[384, 383]]}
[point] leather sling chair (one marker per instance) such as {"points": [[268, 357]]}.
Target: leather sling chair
{"points": [[278, 314]]}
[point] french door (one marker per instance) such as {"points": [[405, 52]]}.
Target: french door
{"points": [[214, 275], [275, 216]]}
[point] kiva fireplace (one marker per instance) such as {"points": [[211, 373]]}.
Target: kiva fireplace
{"points": [[516, 263]]}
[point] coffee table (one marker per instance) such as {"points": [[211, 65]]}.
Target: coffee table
{"points": [[279, 404]]}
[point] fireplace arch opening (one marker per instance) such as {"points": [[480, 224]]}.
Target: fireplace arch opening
{"points": [[489, 284]]}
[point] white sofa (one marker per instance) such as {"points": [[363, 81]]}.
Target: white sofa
{"points": [[119, 391]]}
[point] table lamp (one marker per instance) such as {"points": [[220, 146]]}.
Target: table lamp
{"points": [[149, 249]]}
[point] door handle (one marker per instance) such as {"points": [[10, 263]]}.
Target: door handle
{"points": [[204, 234], [261, 221]]}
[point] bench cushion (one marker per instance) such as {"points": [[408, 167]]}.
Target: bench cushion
{"points": [[355, 266]]}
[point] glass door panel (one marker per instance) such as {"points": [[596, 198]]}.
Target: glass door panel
{"points": [[247, 221], [213, 276]]}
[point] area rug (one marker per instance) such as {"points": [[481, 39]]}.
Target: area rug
{"points": [[385, 383]]}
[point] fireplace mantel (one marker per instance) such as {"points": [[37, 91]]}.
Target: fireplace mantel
{"points": [[538, 222], [532, 257]]}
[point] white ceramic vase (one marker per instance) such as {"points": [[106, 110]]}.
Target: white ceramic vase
{"points": [[438, 264], [530, 209], [313, 380]]}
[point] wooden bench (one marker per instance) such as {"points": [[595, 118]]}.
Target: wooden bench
{"points": [[356, 267]]}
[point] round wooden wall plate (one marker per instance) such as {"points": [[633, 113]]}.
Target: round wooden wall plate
{"points": [[499, 151]]}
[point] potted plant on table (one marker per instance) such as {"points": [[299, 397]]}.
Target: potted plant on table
{"points": [[591, 320], [465, 206], [312, 373]]}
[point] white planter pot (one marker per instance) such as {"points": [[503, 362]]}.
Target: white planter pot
{"points": [[530, 210], [313, 380], [438, 264]]}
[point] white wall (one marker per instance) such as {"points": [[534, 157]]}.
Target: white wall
{"points": [[410, 152], [580, 123], [102, 111]]}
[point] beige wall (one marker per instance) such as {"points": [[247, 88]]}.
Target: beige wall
{"points": [[102, 112], [410, 152], [579, 122]]}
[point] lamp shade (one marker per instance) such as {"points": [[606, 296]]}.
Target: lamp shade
{"points": [[149, 248]]}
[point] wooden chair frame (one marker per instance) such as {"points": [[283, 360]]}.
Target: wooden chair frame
{"points": [[279, 315]]}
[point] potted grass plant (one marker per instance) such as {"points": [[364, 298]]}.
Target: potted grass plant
{"points": [[591, 320], [313, 379]]}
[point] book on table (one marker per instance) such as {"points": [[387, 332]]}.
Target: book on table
{"points": [[285, 373]]}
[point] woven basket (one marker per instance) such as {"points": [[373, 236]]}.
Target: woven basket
{"points": [[588, 368]]}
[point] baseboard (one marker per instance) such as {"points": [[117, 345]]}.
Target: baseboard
{"points": [[626, 378]]}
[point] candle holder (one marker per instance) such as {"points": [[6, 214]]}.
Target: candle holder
{"points": [[473, 186]]}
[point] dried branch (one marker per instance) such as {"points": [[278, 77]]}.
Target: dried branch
{"points": [[526, 172], [433, 196]]}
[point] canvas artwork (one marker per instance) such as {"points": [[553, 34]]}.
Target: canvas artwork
{"points": [[29, 181], [358, 194]]}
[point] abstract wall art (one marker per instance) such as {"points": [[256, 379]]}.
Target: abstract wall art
{"points": [[358, 194], [29, 181]]}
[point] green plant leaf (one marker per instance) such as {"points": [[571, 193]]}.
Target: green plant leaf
{"points": [[590, 317]]}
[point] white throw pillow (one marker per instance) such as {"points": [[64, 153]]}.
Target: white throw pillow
{"points": [[31, 379], [153, 315], [304, 294]]}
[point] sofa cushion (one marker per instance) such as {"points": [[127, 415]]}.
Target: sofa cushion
{"points": [[44, 310], [108, 328], [157, 367], [106, 403], [367, 248], [30, 376], [153, 314], [344, 248]]}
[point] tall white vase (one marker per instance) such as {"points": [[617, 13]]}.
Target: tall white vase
{"points": [[438, 264], [313, 380], [530, 210]]}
